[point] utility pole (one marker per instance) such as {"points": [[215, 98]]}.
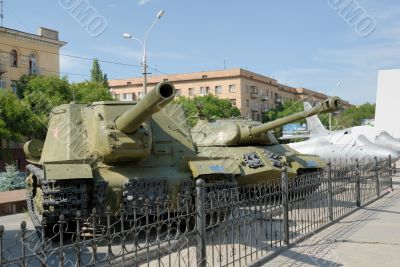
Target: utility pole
{"points": [[143, 45], [2, 12]]}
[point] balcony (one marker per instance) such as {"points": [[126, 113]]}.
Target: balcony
{"points": [[34, 71], [254, 95], [264, 98], [254, 108], [3, 84], [3, 68]]}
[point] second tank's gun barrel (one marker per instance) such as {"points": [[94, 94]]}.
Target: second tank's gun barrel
{"points": [[329, 105], [155, 100]]}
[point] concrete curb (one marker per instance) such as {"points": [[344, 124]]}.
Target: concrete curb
{"points": [[12, 202]]}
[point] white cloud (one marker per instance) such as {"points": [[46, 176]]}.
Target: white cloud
{"points": [[128, 53], [76, 69], [121, 52], [143, 2], [363, 57]]}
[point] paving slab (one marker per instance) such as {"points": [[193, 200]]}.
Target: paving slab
{"points": [[368, 237]]}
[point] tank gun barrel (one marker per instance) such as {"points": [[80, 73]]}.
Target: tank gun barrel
{"points": [[153, 102], [331, 104]]}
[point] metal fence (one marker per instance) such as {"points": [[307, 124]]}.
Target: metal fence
{"points": [[215, 226]]}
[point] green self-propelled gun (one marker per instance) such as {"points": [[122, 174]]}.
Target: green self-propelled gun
{"points": [[251, 149]]}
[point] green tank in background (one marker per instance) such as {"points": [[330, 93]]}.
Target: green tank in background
{"points": [[250, 148]]}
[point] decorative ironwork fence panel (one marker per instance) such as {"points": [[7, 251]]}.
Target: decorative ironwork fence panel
{"points": [[214, 226]]}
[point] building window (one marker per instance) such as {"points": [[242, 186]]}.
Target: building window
{"points": [[218, 89], [247, 103], [116, 96], [14, 58], [203, 90], [254, 106], [126, 97], [233, 102], [253, 89], [33, 68], [129, 83], [14, 86], [258, 116], [232, 88], [191, 91], [140, 95], [177, 92]]}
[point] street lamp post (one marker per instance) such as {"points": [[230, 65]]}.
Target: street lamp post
{"points": [[143, 45]]}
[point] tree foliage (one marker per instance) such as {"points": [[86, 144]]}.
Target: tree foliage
{"points": [[209, 106], [96, 74], [27, 116], [88, 92], [346, 118], [11, 179], [355, 114], [16, 120]]}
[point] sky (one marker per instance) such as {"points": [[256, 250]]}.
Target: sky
{"points": [[316, 44]]}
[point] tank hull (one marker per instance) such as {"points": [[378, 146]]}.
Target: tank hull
{"points": [[260, 164]]}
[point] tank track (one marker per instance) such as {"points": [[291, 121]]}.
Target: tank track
{"points": [[60, 197], [150, 192], [63, 197]]}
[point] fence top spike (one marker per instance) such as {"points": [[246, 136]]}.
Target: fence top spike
{"points": [[200, 182]]}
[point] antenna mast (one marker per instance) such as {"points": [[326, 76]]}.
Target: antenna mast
{"points": [[1, 12]]}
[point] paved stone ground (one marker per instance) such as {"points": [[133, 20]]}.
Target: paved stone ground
{"points": [[368, 237]]}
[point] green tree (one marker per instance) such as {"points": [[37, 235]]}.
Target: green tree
{"points": [[352, 116], [41, 95], [87, 92], [96, 74], [209, 106], [22, 83], [11, 179], [15, 119], [283, 110], [291, 107]]}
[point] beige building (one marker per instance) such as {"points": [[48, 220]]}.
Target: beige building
{"points": [[252, 93], [25, 53]]}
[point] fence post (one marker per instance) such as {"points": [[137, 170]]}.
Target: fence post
{"points": [[378, 189], [358, 191], [330, 192], [285, 203], [201, 224], [390, 172], [1, 244]]}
